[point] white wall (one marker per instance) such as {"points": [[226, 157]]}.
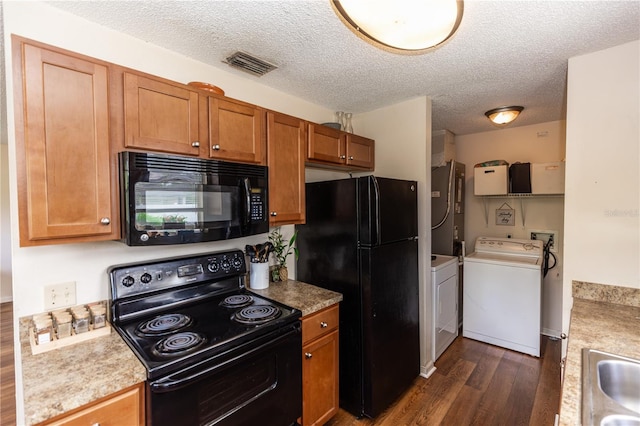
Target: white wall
{"points": [[602, 220], [403, 151], [538, 143], [86, 264]]}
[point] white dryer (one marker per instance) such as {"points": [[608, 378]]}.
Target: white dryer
{"points": [[503, 292]]}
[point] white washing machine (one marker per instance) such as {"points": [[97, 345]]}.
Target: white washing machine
{"points": [[503, 292]]}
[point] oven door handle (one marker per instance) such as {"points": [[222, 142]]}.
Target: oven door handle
{"points": [[169, 384]]}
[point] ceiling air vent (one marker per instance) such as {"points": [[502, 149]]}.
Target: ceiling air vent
{"points": [[250, 64]]}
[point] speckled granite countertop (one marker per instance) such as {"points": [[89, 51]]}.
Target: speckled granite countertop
{"points": [[60, 380], [606, 318], [306, 297]]}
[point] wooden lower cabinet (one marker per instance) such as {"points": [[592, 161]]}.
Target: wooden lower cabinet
{"points": [[320, 355], [122, 408]]}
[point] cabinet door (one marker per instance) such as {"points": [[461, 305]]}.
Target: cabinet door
{"points": [[360, 152], [124, 408], [160, 116], [235, 131], [286, 137], [326, 145], [320, 380], [63, 153]]}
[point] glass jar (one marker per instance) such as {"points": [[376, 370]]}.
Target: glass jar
{"points": [[98, 316], [43, 329], [340, 119], [80, 321], [348, 127], [63, 324]]}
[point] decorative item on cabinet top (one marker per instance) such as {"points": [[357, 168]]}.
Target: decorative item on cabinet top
{"points": [[206, 86]]}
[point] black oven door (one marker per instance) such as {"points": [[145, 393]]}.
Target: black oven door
{"points": [[259, 383]]}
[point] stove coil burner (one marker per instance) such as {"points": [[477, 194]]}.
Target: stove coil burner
{"points": [[179, 344], [163, 324], [258, 314], [237, 301]]}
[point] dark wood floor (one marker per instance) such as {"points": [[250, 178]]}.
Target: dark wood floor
{"points": [[7, 378], [474, 384], [478, 384]]}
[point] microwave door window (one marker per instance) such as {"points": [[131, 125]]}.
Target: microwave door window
{"points": [[166, 206]]}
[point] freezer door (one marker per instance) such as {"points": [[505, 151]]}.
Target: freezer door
{"points": [[390, 328], [388, 210]]}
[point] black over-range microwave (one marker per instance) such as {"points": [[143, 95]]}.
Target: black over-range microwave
{"points": [[169, 199]]}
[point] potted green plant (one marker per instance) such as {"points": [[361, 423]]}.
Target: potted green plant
{"points": [[282, 250]]}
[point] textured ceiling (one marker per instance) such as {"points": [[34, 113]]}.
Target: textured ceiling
{"points": [[504, 53]]}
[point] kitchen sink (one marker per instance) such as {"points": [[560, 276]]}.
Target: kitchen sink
{"points": [[610, 389]]}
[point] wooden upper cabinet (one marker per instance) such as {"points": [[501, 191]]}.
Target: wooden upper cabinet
{"points": [[160, 115], [286, 153], [66, 192], [326, 144], [236, 131], [332, 148], [360, 152]]}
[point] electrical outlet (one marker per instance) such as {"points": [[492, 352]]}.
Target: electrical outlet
{"points": [[59, 295], [549, 237]]}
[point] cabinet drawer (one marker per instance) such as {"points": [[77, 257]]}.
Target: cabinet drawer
{"points": [[321, 322], [125, 408]]}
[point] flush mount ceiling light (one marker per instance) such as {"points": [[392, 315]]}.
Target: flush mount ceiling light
{"points": [[503, 115], [401, 26]]}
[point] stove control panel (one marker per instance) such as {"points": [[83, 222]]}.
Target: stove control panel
{"points": [[139, 278]]}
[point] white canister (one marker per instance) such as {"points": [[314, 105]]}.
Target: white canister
{"points": [[259, 277]]}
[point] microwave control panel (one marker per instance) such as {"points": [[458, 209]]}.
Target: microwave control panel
{"points": [[257, 205]]}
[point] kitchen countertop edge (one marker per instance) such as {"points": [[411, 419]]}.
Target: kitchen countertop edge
{"points": [[297, 294], [600, 325], [61, 380]]}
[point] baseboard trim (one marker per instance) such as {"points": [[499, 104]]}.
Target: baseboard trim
{"points": [[427, 370]]}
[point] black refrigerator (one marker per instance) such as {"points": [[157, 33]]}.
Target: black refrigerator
{"points": [[361, 239]]}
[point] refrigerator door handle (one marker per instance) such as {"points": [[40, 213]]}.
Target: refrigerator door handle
{"points": [[377, 191]]}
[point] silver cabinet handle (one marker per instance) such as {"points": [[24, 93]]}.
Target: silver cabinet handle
{"points": [[216, 147], [105, 221], [195, 144], [323, 324], [274, 214], [308, 355], [351, 157], [342, 157]]}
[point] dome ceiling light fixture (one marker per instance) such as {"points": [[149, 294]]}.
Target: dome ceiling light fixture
{"points": [[401, 26], [503, 115]]}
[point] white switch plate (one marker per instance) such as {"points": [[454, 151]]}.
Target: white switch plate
{"points": [[59, 295]]}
